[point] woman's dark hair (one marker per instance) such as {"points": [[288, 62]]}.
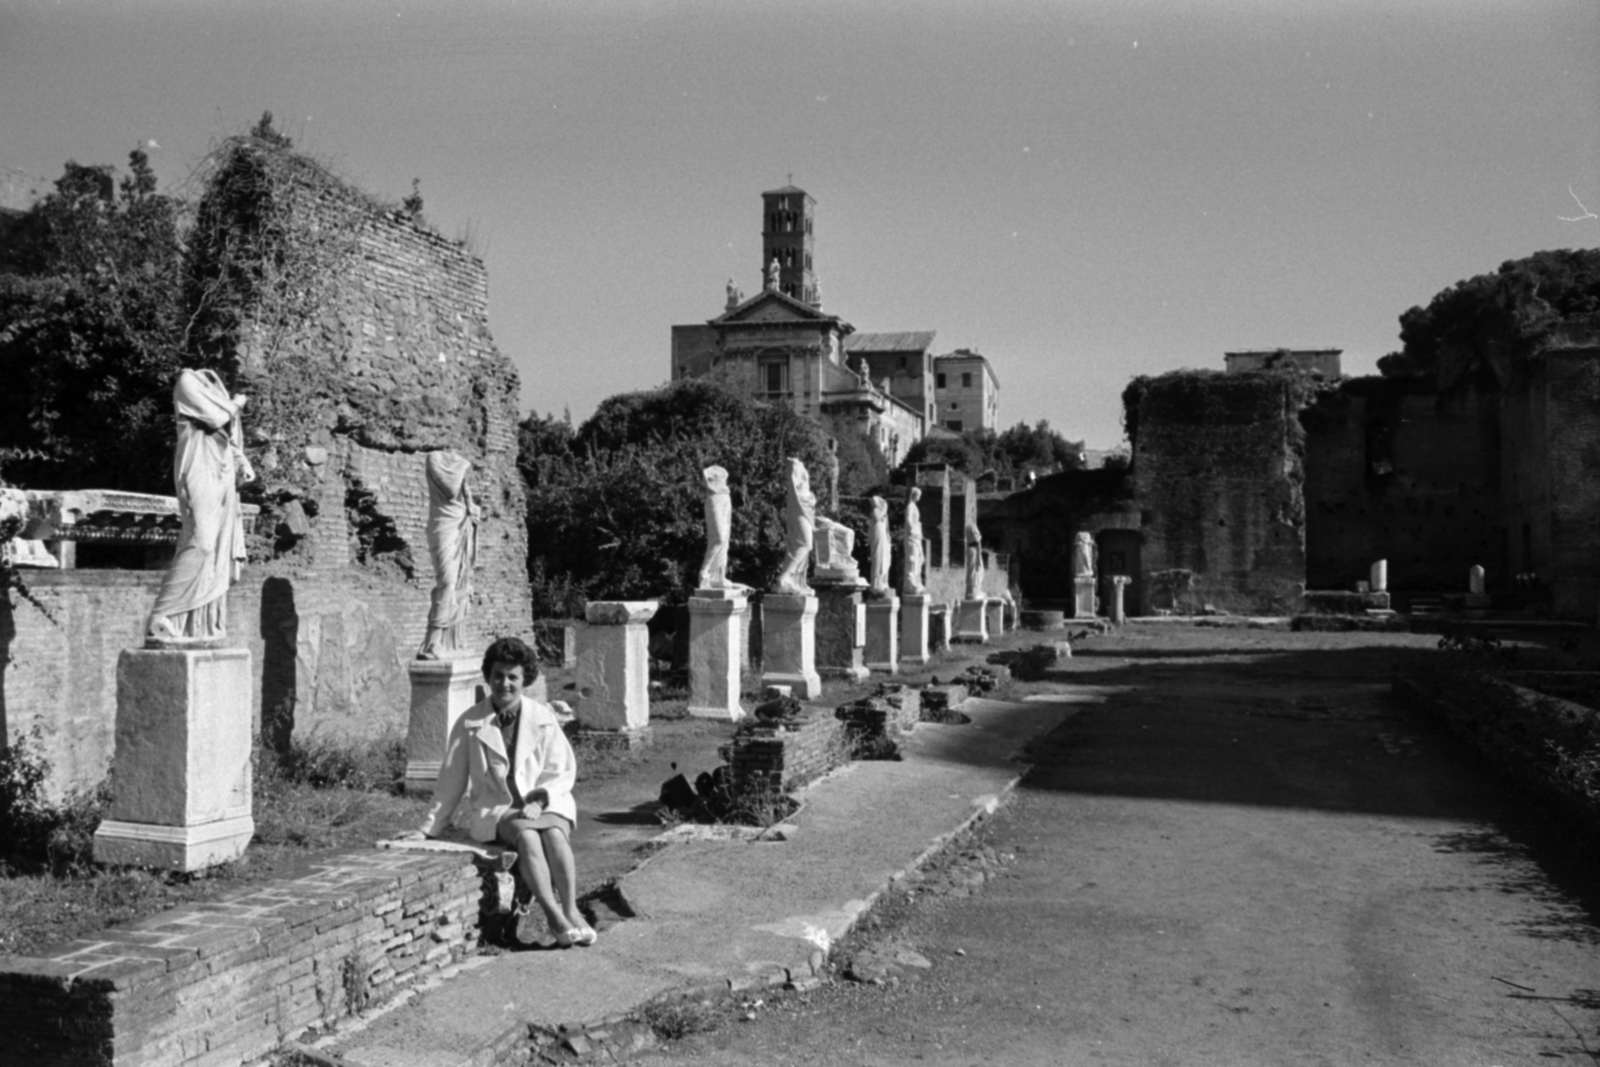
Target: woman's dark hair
{"points": [[513, 652]]}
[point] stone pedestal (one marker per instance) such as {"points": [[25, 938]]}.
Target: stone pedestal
{"points": [[841, 637], [972, 620], [994, 614], [1085, 605], [914, 628], [789, 643], [182, 760], [941, 627], [614, 666], [441, 689], [716, 656], [883, 635], [1118, 613], [1378, 576]]}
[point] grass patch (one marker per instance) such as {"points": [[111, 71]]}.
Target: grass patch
{"points": [[675, 1020], [321, 797]]}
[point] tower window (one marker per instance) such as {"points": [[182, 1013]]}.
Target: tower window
{"points": [[938, 381], [966, 381]]}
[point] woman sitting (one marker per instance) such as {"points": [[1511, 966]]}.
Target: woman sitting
{"points": [[510, 759]]}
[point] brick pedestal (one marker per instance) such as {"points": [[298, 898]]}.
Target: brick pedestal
{"points": [[789, 643], [614, 666], [182, 760], [441, 689], [841, 630], [883, 635], [716, 631], [914, 628], [972, 621]]}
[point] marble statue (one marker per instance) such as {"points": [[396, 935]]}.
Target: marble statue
{"points": [[880, 546], [974, 561], [833, 476], [719, 527], [800, 518], [772, 273], [911, 581], [1083, 555], [208, 466], [453, 549]]}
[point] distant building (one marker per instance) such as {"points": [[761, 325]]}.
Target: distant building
{"points": [[781, 346], [966, 392], [1323, 361]]}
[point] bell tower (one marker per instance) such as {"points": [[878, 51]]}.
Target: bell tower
{"points": [[786, 237]]}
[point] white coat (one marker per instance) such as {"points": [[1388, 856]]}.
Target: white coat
{"points": [[476, 761]]}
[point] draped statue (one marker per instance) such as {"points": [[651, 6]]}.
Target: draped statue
{"points": [[911, 580], [800, 519], [1083, 555], [880, 546], [974, 562], [452, 548], [208, 466], [719, 527]]}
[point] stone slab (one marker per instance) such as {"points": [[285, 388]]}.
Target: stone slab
{"points": [[619, 612]]}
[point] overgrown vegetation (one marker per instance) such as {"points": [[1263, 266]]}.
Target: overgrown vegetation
{"points": [[1014, 453], [615, 508], [1474, 323]]}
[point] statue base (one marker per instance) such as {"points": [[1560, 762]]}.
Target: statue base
{"points": [[841, 631], [789, 643], [183, 742], [883, 635], [715, 656], [441, 691], [914, 628], [972, 621], [614, 665], [1085, 605]]}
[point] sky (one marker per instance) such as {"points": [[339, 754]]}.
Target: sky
{"points": [[1083, 191]]}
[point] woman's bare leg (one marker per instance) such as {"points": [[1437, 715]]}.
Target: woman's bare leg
{"points": [[536, 873], [563, 874]]}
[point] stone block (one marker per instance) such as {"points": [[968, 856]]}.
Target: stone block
{"points": [[972, 621], [183, 743], [619, 612], [882, 652], [614, 666], [441, 690], [788, 627], [940, 620], [914, 628], [716, 630], [841, 631], [1085, 605]]}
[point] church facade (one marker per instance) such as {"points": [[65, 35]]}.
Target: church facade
{"points": [[781, 346]]}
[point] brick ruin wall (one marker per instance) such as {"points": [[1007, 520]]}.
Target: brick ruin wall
{"points": [[1411, 478], [398, 362], [1551, 464], [1218, 473]]}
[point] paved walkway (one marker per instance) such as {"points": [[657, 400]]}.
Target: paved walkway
{"points": [[730, 910]]}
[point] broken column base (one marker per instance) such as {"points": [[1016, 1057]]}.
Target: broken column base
{"points": [[1085, 605]]}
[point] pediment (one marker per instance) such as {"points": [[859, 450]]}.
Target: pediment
{"points": [[772, 306]]}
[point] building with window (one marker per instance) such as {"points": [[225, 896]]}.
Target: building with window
{"points": [[780, 344], [966, 393]]}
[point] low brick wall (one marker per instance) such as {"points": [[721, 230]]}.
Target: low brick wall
{"points": [[227, 981], [783, 758]]}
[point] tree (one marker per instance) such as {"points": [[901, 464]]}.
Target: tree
{"points": [[1516, 304], [91, 329], [1038, 449], [617, 513]]}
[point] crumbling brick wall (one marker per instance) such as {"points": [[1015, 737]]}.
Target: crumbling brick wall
{"points": [[1402, 475], [1218, 471]]}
